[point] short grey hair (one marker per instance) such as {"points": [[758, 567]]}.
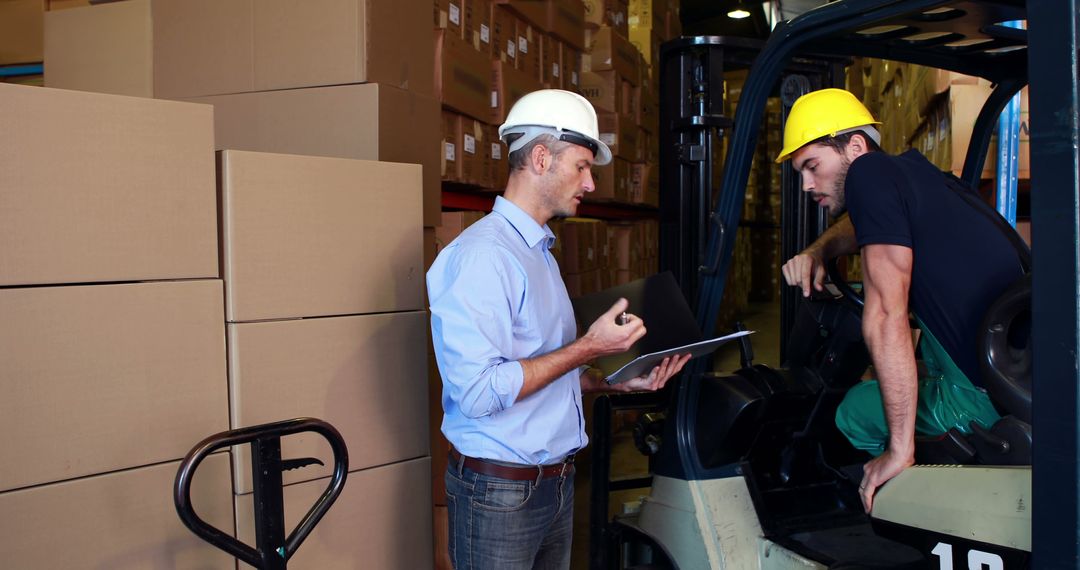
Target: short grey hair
{"points": [[519, 159]]}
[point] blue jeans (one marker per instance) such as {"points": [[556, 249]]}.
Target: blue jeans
{"points": [[503, 524]]}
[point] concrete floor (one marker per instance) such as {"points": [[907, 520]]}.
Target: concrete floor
{"points": [[626, 461]]}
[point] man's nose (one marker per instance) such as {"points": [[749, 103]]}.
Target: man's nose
{"points": [[807, 183], [588, 185]]}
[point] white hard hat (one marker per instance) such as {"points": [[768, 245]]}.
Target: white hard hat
{"points": [[565, 115]]}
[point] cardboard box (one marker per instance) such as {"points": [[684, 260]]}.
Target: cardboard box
{"points": [[22, 31], [65, 4], [367, 122], [500, 166], [503, 34], [477, 26], [528, 50], [604, 89], [580, 244], [453, 223], [550, 64], [648, 110], [620, 134], [475, 152], [964, 104], [612, 182], [102, 188], [507, 86], [647, 41], [534, 12], [191, 48], [647, 14], [440, 448], [381, 520], [312, 236], [462, 76], [449, 15], [572, 69], [613, 51], [613, 13], [118, 520], [105, 377], [451, 147], [578, 284], [364, 374], [566, 21]]}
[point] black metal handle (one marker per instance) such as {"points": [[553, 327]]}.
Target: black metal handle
{"points": [[272, 431]]}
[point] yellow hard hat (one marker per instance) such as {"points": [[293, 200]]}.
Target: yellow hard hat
{"points": [[826, 112]]}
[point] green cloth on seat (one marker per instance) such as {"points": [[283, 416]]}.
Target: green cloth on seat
{"points": [[947, 399]]}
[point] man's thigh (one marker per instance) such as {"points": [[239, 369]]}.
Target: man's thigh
{"points": [[498, 523]]}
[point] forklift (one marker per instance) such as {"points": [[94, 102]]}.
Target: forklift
{"points": [[748, 468]]}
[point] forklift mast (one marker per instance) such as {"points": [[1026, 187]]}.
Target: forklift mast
{"points": [[699, 219]]}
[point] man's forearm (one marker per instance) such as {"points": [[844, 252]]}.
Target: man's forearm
{"points": [[889, 339], [838, 240], [543, 370]]}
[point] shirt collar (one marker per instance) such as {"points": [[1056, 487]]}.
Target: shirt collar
{"points": [[526, 227]]}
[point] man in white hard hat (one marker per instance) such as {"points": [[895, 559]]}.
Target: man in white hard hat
{"points": [[504, 334], [924, 249]]}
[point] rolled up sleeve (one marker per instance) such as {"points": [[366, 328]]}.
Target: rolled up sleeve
{"points": [[472, 296]]}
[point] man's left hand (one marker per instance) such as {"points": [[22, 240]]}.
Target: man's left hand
{"points": [[879, 470], [657, 377]]}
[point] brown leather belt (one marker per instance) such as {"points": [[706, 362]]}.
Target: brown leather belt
{"points": [[524, 473]]}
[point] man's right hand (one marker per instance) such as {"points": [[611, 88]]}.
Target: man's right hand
{"points": [[608, 336], [805, 270]]}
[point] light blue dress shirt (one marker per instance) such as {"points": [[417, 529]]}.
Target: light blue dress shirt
{"points": [[496, 298]]}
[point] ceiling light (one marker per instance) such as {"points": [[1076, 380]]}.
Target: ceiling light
{"points": [[738, 13]]}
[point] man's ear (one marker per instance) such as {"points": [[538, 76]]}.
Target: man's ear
{"points": [[539, 159], [856, 146]]}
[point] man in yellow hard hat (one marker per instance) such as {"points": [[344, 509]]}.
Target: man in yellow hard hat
{"points": [[924, 249], [504, 336]]}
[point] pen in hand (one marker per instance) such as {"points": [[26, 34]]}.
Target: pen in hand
{"points": [[624, 318]]}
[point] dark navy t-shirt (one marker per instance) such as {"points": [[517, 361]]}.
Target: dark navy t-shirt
{"points": [[961, 261]]}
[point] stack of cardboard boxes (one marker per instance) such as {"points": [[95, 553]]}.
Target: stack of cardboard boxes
{"points": [[343, 79], [321, 327], [113, 344], [931, 110], [488, 54], [321, 258]]}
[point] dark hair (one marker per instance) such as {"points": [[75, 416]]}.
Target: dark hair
{"points": [[519, 159], [839, 142]]}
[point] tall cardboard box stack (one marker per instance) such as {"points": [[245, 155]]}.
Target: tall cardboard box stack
{"points": [[322, 263], [113, 347], [349, 79]]}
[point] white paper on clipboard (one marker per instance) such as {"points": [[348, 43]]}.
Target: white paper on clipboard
{"points": [[644, 363]]}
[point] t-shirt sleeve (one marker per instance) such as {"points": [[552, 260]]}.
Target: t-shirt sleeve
{"points": [[876, 192]]}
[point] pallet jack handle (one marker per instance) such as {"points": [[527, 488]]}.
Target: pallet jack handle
{"points": [[272, 548]]}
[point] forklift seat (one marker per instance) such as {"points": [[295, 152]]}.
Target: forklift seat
{"points": [[1004, 343]]}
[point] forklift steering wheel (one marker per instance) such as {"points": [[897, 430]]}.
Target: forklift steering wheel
{"points": [[841, 284]]}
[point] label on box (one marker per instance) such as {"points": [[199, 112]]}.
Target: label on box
{"points": [[607, 138], [470, 144], [588, 253], [573, 78], [554, 70], [494, 99], [455, 14], [523, 44], [496, 151], [449, 150], [485, 34], [511, 49]]}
